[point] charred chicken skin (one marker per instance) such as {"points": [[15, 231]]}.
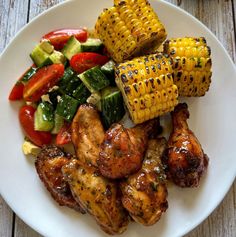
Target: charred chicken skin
{"points": [[87, 134], [98, 195], [123, 149], [48, 165], [145, 193], [185, 160]]}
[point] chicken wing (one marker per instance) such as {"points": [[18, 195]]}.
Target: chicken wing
{"points": [[48, 165], [123, 149], [145, 193], [87, 134], [99, 196], [185, 160]]}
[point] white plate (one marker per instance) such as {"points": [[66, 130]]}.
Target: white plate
{"points": [[212, 120]]}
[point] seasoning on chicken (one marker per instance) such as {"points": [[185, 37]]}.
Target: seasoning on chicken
{"points": [[122, 150], [130, 28], [147, 86], [184, 159], [192, 64], [87, 134], [145, 193], [98, 195], [48, 165]]}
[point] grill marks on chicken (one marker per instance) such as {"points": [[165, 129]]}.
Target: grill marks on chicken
{"points": [[123, 149], [184, 159], [48, 165], [145, 192], [87, 134], [98, 195]]}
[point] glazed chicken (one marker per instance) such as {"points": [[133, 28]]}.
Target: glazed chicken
{"points": [[87, 134], [48, 165], [123, 149], [145, 193], [185, 160], [98, 195]]}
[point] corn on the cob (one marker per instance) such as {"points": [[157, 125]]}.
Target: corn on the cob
{"points": [[130, 28], [191, 64], [147, 86]]}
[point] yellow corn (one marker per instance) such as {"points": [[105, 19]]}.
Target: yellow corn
{"points": [[130, 28], [147, 86], [191, 64]]}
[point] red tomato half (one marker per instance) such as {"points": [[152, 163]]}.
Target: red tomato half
{"points": [[17, 91], [42, 81], [84, 61], [58, 38], [64, 135], [26, 117]]}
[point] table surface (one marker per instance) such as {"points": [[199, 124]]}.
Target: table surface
{"points": [[217, 15]]}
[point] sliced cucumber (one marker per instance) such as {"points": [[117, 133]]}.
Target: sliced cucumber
{"points": [[94, 79], [72, 47], [81, 93], [95, 99], [46, 46], [67, 107], [72, 85], [58, 123], [92, 45], [108, 69], [57, 57], [68, 74], [112, 106], [44, 117]]}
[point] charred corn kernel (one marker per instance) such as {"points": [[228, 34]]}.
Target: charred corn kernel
{"points": [[130, 28], [147, 86], [191, 65]]}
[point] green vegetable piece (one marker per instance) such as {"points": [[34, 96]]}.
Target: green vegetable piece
{"points": [[58, 123], [81, 94], [40, 57], [92, 45], [112, 106], [72, 47], [67, 107], [94, 79], [57, 57], [44, 117], [29, 74]]}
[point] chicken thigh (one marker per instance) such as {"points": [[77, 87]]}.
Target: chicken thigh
{"points": [[185, 160], [123, 149]]}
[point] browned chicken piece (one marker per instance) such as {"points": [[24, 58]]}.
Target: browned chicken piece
{"points": [[185, 160], [123, 149], [87, 134], [145, 193], [98, 195], [48, 165]]}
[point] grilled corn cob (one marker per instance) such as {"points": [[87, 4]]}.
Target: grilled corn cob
{"points": [[191, 64], [147, 86], [130, 28]]}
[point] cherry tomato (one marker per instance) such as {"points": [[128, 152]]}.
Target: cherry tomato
{"points": [[26, 117], [58, 38], [84, 61], [17, 90], [64, 135], [42, 81]]}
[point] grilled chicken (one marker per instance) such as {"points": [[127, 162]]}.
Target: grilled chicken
{"points": [[87, 134], [123, 149], [145, 193], [184, 159], [48, 165], [98, 195]]}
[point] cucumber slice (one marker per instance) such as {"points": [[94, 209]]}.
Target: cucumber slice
{"points": [[112, 106], [72, 47], [72, 85], [57, 57], [40, 57], [94, 79], [81, 93], [67, 107], [44, 117], [58, 123], [92, 45], [68, 74], [108, 69]]}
